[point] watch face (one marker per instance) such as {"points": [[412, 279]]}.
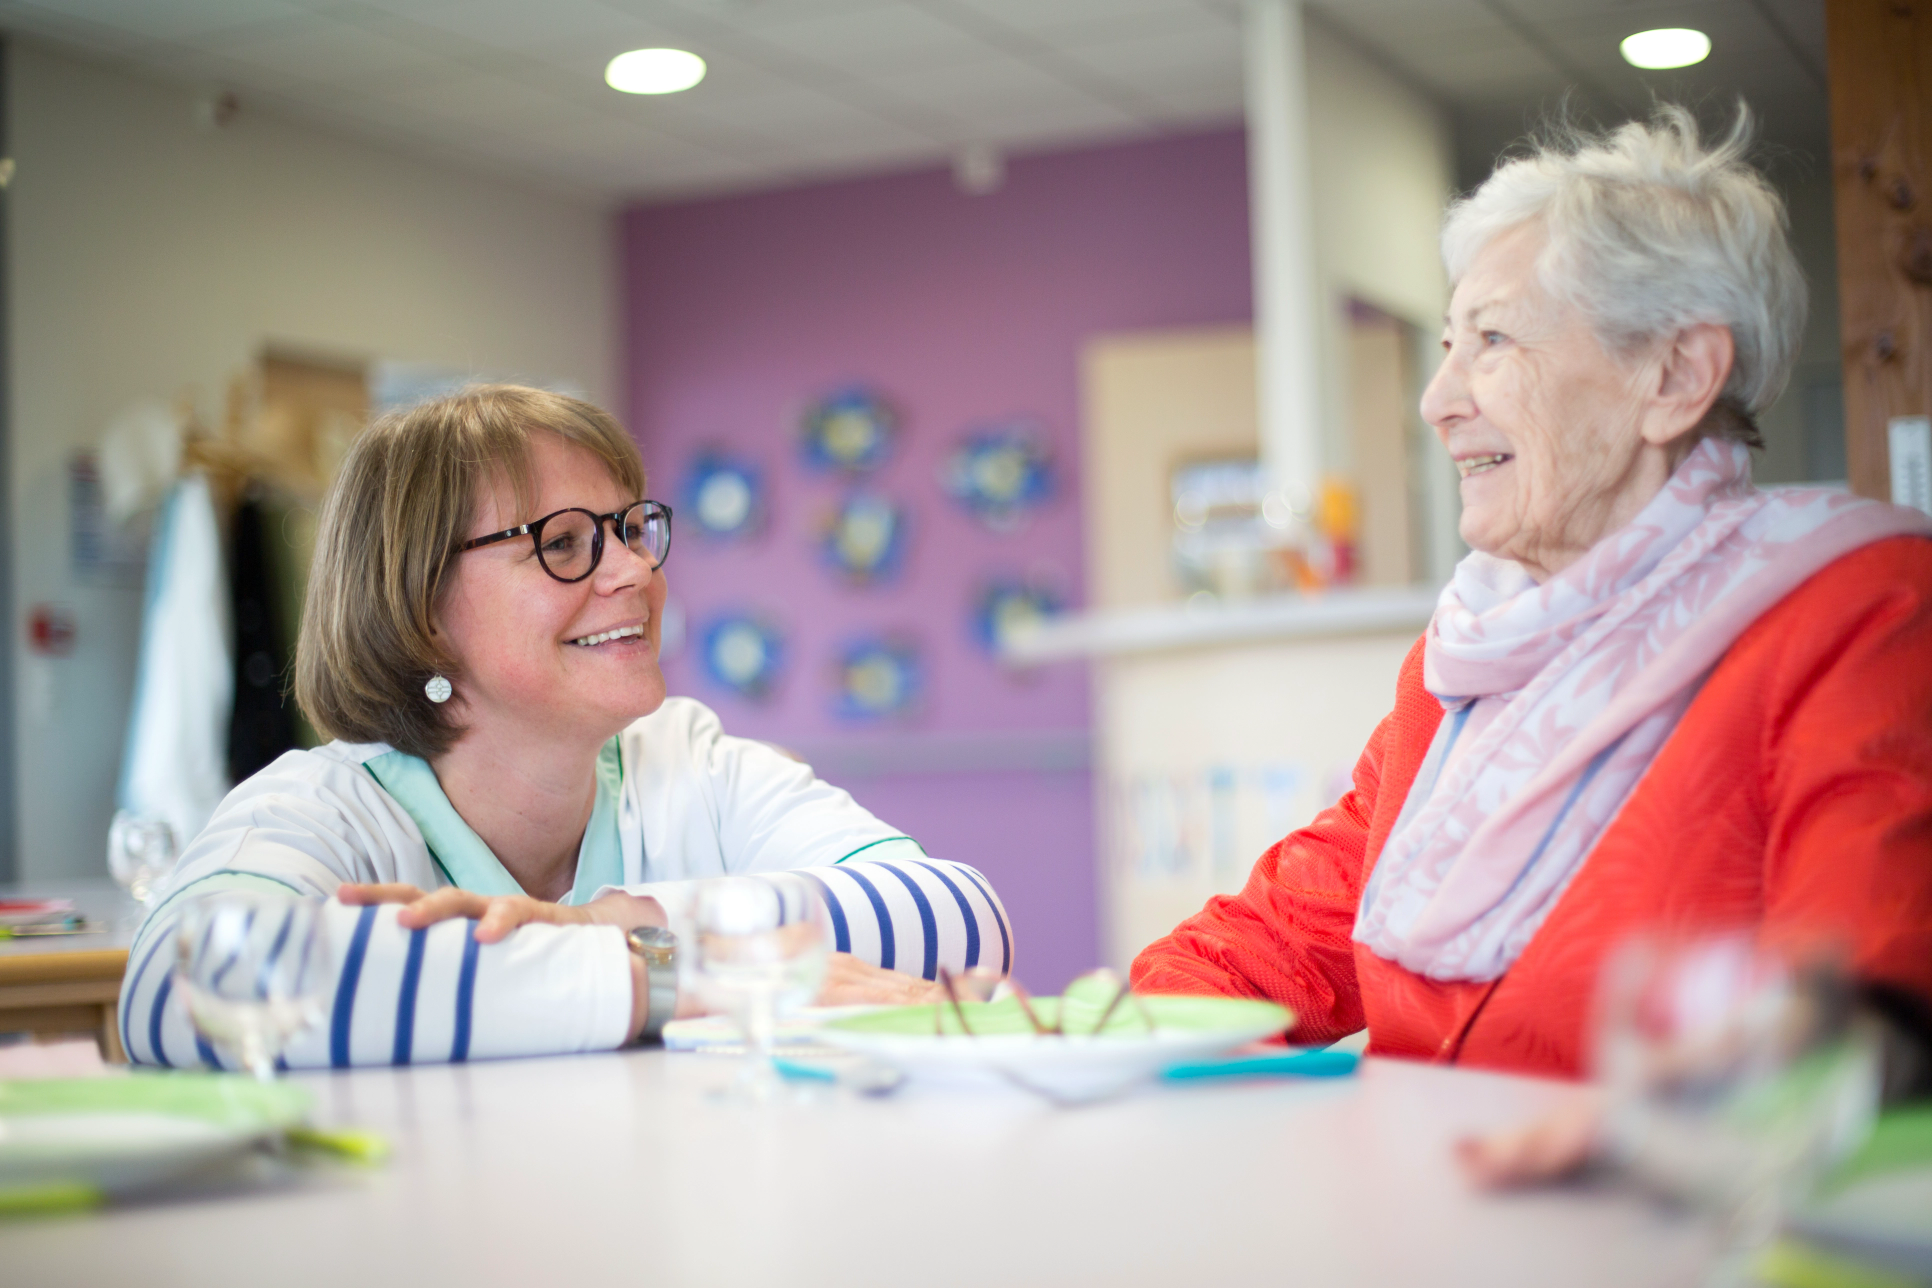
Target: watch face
{"points": [[654, 937]]}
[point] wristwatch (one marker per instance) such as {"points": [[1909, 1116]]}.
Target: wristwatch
{"points": [[659, 949]]}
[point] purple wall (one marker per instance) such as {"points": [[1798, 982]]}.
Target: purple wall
{"points": [[960, 309]]}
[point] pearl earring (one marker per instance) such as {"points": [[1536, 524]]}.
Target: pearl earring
{"points": [[437, 690]]}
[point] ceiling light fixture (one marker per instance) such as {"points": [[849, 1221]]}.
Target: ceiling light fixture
{"points": [[654, 71], [1666, 47]]}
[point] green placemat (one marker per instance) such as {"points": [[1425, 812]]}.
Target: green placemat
{"points": [[232, 1101]]}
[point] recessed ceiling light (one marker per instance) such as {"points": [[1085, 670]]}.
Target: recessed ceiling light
{"points": [[1666, 47], [654, 71]]}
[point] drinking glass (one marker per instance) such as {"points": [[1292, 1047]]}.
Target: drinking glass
{"points": [[253, 967], [1734, 1078], [140, 854], [760, 952]]}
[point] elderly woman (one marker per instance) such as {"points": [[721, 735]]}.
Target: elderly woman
{"points": [[481, 639], [1653, 697]]}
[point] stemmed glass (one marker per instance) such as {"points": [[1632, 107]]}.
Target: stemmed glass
{"points": [[760, 953], [253, 967], [140, 854], [1734, 1078]]}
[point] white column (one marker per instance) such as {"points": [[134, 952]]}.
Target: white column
{"points": [[1287, 301]]}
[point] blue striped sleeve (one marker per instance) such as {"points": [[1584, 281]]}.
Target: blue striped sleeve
{"points": [[907, 901], [344, 1012], [999, 919], [459, 1048], [887, 955], [841, 929], [965, 914], [928, 924], [412, 981]]}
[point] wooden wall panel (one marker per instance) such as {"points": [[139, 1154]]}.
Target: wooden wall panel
{"points": [[1880, 55]]}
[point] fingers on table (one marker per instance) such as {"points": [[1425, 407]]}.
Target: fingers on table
{"points": [[505, 913], [441, 905]]}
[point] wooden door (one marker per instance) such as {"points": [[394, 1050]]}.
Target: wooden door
{"points": [[1880, 54]]}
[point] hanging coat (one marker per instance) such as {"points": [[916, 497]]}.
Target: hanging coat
{"points": [[176, 765], [261, 728]]}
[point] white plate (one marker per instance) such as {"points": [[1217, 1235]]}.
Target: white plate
{"points": [[1065, 1069], [112, 1152]]}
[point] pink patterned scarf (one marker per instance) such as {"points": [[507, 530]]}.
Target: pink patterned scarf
{"points": [[1558, 696]]}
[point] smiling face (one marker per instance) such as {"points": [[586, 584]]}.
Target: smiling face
{"points": [[1554, 436], [544, 661]]}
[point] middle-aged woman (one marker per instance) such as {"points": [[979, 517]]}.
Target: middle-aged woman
{"points": [[480, 637], [1655, 697]]}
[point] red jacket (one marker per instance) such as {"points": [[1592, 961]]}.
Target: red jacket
{"points": [[1795, 795]]}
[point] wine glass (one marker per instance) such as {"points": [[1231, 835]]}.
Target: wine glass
{"points": [[253, 967], [760, 952], [141, 855], [1734, 1078]]}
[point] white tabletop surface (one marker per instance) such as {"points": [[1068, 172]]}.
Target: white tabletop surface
{"points": [[619, 1169]]}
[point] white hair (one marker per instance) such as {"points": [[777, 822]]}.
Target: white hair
{"points": [[1650, 231]]}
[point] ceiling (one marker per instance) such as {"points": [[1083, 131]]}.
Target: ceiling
{"points": [[802, 89]]}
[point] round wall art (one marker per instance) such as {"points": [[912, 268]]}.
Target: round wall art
{"points": [[724, 495], [864, 540], [1006, 604], [879, 677], [744, 654], [1000, 473], [849, 432]]}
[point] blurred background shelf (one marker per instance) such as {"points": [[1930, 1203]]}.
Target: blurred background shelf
{"points": [[1210, 623]]}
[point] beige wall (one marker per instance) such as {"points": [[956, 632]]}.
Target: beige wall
{"points": [[1384, 167], [148, 257]]}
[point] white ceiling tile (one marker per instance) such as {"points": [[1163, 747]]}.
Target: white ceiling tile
{"points": [[172, 19], [997, 94], [752, 15], [1047, 17], [553, 26], [1190, 54], [901, 37]]}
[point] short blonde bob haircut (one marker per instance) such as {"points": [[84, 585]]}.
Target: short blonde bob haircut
{"points": [[410, 488], [1651, 230]]}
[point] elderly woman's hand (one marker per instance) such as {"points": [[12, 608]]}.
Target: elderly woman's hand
{"points": [[497, 915], [851, 981], [1555, 1144]]}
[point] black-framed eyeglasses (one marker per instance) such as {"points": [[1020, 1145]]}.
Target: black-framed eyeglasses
{"points": [[570, 543]]}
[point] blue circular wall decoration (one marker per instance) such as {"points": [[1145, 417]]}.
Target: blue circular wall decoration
{"points": [[1000, 473], [879, 678], [744, 654], [849, 432], [1006, 603], [864, 540], [724, 496]]}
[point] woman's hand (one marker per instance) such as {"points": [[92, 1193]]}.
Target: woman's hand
{"points": [[850, 981], [1549, 1147], [497, 915]]}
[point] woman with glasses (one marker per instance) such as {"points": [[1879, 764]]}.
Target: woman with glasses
{"points": [[511, 812]]}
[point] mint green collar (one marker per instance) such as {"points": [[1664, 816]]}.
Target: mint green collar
{"points": [[461, 854]]}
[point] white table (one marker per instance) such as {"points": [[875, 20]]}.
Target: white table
{"points": [[617, 1169]]}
